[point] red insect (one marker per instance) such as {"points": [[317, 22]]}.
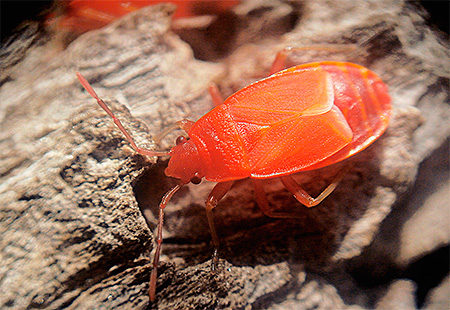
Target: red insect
{"points": [[302, 118], [84, 15]]}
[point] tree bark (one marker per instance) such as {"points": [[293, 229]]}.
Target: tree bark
{"points": [[79, 205]]}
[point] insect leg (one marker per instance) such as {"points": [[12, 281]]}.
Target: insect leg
{"points": [[303, 197], [215, 94], [102, 104], [183, 124], [280, 60], [263, 203], [214, 197], [159, 239]]}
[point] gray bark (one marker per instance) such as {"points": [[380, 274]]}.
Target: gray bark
{"points": [[78, 206]]}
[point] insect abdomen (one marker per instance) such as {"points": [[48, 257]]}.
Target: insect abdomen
{"points": [[258, 133], [363, 99]]}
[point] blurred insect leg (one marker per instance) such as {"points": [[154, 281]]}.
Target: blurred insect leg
{"points": [[263, 203], [280, 60], [183, 124], [159, 239], [213, 199], [303, 197], [118, 123], [215, 94]]}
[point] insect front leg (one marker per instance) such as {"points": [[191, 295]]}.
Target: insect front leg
{"points": [[214, 197], [183, 124], [159, 239]]}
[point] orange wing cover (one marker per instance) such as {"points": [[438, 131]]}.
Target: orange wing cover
{"points": [[276, 126]]}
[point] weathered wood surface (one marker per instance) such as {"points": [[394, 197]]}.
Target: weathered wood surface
{"points": [[75, 198]]}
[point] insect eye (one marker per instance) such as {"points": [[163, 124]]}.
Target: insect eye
{"points": [[196, 180], [180, 140]]}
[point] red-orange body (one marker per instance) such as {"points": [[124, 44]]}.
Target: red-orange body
{"points": [[302, 118], [84, 15]]}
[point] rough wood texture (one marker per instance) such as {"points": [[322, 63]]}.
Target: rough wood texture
{"points": [[78, 206]]}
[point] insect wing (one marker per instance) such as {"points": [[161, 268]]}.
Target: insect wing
{"points": [[288, 121], [364, 100], [282, 96]]}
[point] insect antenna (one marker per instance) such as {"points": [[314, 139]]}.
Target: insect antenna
{"points": [[102, 104], [165, 200]]}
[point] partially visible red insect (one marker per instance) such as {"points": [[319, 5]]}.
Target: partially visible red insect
{"points": [[302, 118], [80, 16]]}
